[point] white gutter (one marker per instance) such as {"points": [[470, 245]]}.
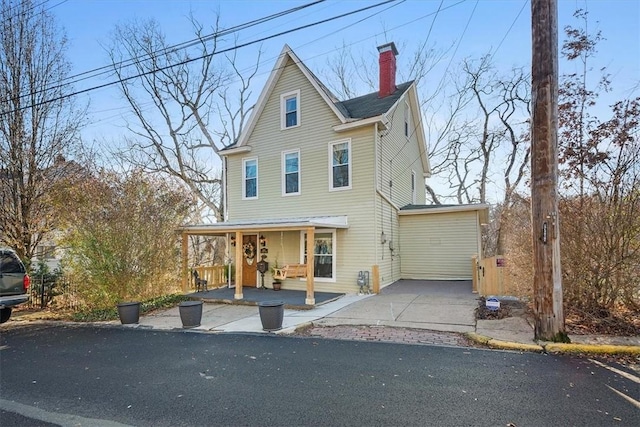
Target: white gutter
{"points": [[243, 149], [382, 119], [445, 209]]}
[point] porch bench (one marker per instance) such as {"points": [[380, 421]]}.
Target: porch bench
{"points": [[290, 271]]}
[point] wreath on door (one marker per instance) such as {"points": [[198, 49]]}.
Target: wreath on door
{"points": [[249, 251]]}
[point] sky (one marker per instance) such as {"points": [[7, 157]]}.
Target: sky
{"points": [[468, 28]]}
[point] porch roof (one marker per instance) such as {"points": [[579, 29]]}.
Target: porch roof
{"points": [[274, 224]]}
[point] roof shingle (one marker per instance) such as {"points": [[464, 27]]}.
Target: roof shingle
{"points": [[372, 105]]}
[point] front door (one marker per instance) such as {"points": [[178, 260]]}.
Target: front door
{"points": [[249, 260]]}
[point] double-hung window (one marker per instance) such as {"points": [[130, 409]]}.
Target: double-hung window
{"points": [[324, 256], [250, 178], [290, 109], [291, 173], [340, 165]]}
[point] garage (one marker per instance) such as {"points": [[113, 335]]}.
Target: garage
{"points": [[438, 241]]}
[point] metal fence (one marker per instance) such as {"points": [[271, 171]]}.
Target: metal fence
{"points": [[44, 293]]}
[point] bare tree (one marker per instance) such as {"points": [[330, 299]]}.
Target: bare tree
{"points": [[491, 139], [347, 73], [187, 104], [39, 123]]}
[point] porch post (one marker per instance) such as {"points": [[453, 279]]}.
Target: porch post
{"points": [[375, 272], [311, 299], [185, 258], [238, 293]]}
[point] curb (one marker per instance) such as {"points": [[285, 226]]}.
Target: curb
{"points": [[600, 349], [503, 345], [556, 348]]}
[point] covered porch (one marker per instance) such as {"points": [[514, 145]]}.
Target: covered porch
{"points": [[248, 246]]}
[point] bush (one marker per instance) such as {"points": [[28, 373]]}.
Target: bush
{"points": [[123, 244]]}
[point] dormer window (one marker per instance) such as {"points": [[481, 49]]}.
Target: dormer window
{"points": [[290, 109]]}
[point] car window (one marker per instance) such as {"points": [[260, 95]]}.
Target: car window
{"points": [[9, 263]]}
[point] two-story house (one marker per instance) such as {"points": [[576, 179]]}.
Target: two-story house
{"points": [[338, 187]]}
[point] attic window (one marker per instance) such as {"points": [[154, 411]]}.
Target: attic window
{"points": [[290, 109]]}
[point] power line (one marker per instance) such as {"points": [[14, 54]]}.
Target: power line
{"points": [[510, 28], [19, 4], [404, 24], [422, 152], [106, 69], [187, 61]]}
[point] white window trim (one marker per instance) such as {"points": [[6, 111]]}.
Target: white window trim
{"points": [[244, 178], [331, 144], [414, 187], [283, 109], [284, 173], [334, 256]]}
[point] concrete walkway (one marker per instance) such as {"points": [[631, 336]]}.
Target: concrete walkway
{"points": [[432, 307], [220, 317]]}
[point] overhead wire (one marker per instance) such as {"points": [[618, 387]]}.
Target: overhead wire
{"points": [[424, 150], [419, 123], [107, 69], [231, 80], [19, 4], [524, 3], [125, 79]]}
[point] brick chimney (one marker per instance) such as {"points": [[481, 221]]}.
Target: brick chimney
{"points": [[387, 63]]}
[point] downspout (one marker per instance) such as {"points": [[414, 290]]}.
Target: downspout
{"points": [[225, 218], [479, 234], [376, 174], [225, 204]]}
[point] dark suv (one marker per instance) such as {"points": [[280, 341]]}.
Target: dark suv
{"points": [[14, 282]]}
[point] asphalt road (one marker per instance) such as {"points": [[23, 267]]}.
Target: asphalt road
{"points": [[84, 375]]}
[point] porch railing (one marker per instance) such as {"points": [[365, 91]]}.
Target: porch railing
{"points": [[214, 275]]}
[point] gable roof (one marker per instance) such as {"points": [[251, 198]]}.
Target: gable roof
{"points": [[349, 111], [277, 71]]}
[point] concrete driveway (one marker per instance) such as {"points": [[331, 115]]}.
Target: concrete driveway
{"points": [[436, 305]]}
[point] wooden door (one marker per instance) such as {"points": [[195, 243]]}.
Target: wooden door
{"points": [[250, 260]]}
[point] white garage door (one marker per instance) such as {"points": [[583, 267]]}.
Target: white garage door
{"points": [[439, 246]]}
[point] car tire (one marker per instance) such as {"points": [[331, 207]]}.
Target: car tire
{"points": [[5, 314]]}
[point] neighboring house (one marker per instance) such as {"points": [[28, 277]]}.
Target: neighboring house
{"points": [[347, 176]]}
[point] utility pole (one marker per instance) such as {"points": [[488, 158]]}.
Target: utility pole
{"points": [[547, 274]]}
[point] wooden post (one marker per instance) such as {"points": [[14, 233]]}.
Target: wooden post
{"points": [[311, 298], [375, 272], [185, 260], [239, 260], [474, 274], [547, 280]]}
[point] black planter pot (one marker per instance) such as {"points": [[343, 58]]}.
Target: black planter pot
{"points": [[271, 315], [190, 313], [129, 312]]}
